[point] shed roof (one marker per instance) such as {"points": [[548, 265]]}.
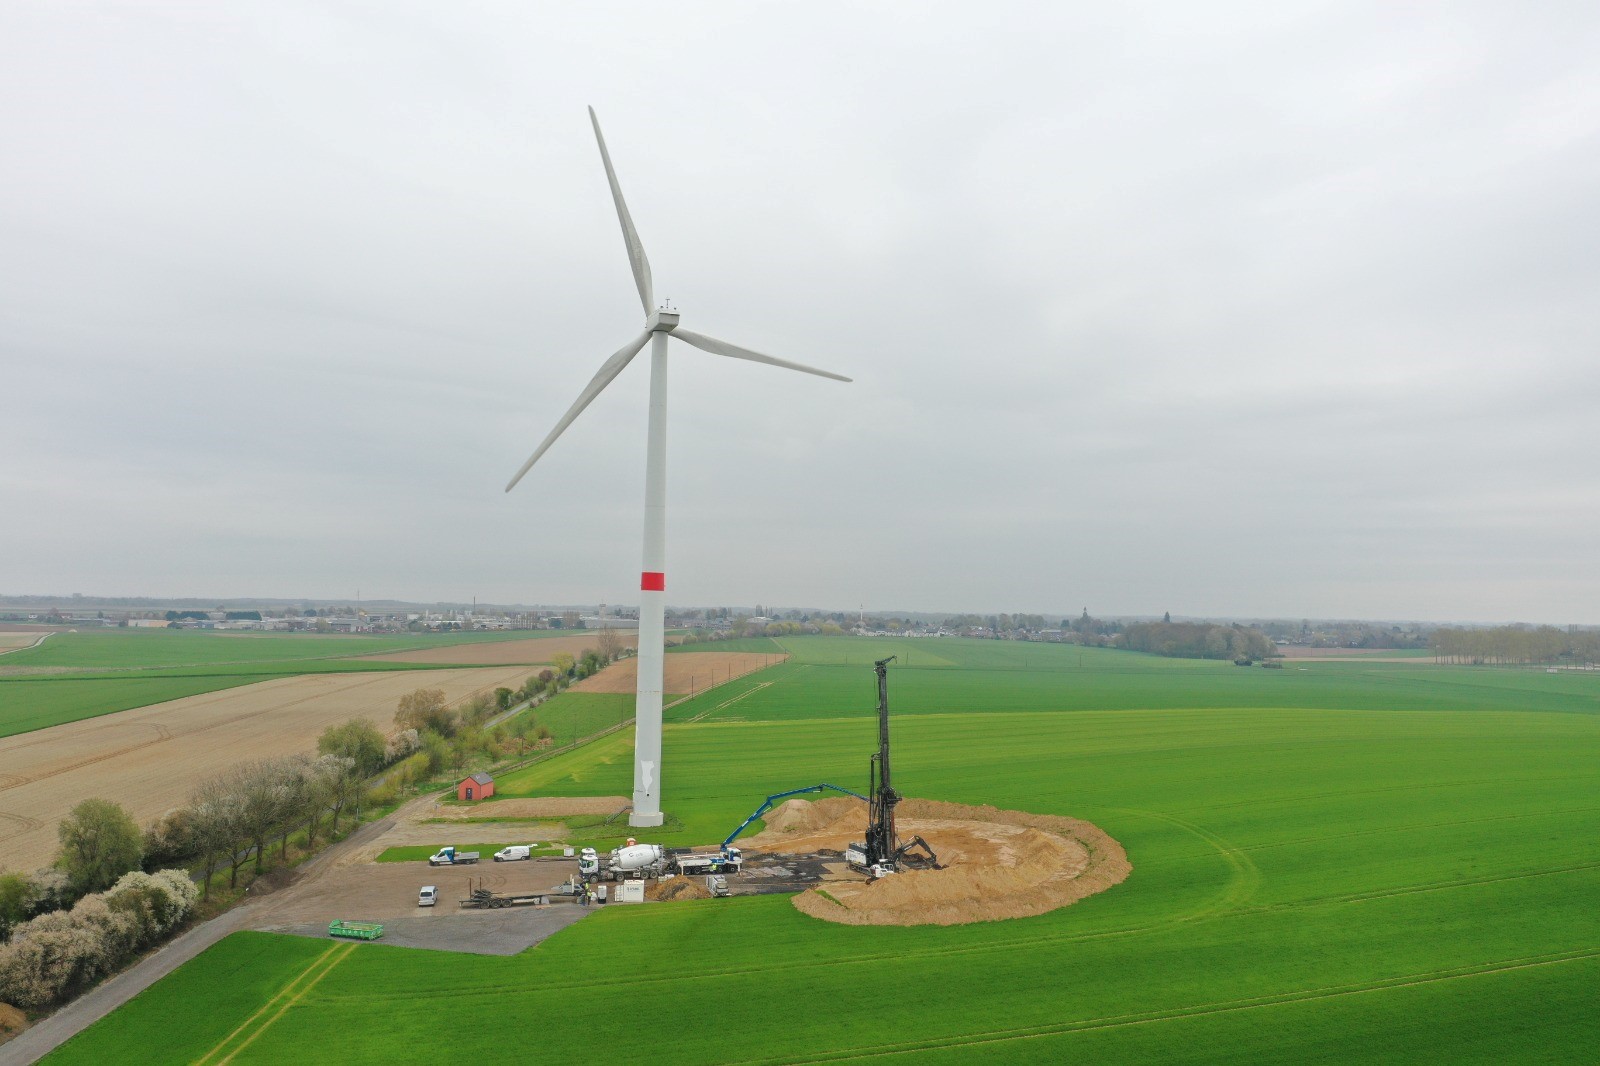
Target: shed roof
{"points": [[482, 779]]}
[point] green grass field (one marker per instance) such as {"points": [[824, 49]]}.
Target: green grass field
{"points": [[574, 715], [80, 675], [1358, 863]]}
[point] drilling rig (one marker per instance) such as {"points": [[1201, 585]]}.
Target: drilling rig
{"points": [[883, 853]]}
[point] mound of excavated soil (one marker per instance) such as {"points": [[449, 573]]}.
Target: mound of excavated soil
{"points": [[676, 888], [998, 864]]}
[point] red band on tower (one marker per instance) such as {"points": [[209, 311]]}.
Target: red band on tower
{"points": [[650, 581]]}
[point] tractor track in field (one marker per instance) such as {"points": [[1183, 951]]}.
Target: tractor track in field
{"points": [[1002, 1036], [1241, 885], [1419, 786], [18, 780], [1411, 827], [23, 820], [730, 702], [1412, 890], [316, 970]]}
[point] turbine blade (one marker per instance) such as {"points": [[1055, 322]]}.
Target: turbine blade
{"points": [[630, 236], [733, 351], [607, 372]]}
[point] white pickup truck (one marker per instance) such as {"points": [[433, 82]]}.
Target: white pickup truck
{"points": [[514, 853]]}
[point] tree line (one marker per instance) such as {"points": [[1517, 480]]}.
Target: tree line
{"points": [[52, 956], [1196, 640], [1517, 645]]}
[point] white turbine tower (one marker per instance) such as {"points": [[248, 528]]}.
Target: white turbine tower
{"points": [[653, 581]]}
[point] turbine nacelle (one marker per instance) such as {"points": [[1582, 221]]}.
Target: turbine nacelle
{"points": [[657, 320]]}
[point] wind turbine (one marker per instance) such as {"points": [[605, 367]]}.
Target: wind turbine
{"points": [[658, 324]]}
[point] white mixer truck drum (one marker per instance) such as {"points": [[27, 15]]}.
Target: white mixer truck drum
{"points": [[635, 857]]}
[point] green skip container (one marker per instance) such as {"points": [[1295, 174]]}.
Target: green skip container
{"points": [[355, 930]]}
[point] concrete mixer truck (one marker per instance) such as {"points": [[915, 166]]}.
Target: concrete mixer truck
{"points": [[637, 861], [634, 861]]}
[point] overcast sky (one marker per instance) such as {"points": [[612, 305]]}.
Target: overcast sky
{"points": [[1278, 309]]}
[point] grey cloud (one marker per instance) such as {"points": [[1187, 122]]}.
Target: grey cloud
{"points": [[1218, 310]]}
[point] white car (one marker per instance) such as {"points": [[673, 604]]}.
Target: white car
{"points": [[428, 896]]}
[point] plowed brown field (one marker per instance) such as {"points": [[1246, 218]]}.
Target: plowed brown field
{"points": [[534, 651], [686, 672], [149, 759]]}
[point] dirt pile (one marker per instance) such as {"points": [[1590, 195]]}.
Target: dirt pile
{"points": [[797, 818], [676, 888], [998, 864]]}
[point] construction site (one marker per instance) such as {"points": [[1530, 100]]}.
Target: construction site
{"points": [[872, 858]]}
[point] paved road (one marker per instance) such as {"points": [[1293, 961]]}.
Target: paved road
{"points": [[84, 1011]]}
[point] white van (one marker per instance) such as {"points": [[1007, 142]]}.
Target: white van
{"points": [[514, 853], [428, 896]]}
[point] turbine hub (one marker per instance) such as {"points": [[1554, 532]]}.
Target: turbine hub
{"points": [[662, 321]]}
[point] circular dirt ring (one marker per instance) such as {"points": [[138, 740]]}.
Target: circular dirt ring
{"points": [[997, 864]]}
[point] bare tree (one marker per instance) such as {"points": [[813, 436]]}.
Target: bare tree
{"points": [[265, 801], [346, 786], [317, 795], [295, 780], [218, 809], [609, 641]]}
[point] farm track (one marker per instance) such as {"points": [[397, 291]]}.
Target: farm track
{"points": [[1000, 1036], [28, 647]]}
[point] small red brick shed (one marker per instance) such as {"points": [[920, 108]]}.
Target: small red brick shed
{"points": [[476, 787]]}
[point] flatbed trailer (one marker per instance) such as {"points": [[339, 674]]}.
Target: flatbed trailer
{"points": [[692, 864], [483, 899], [355, 930]]}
